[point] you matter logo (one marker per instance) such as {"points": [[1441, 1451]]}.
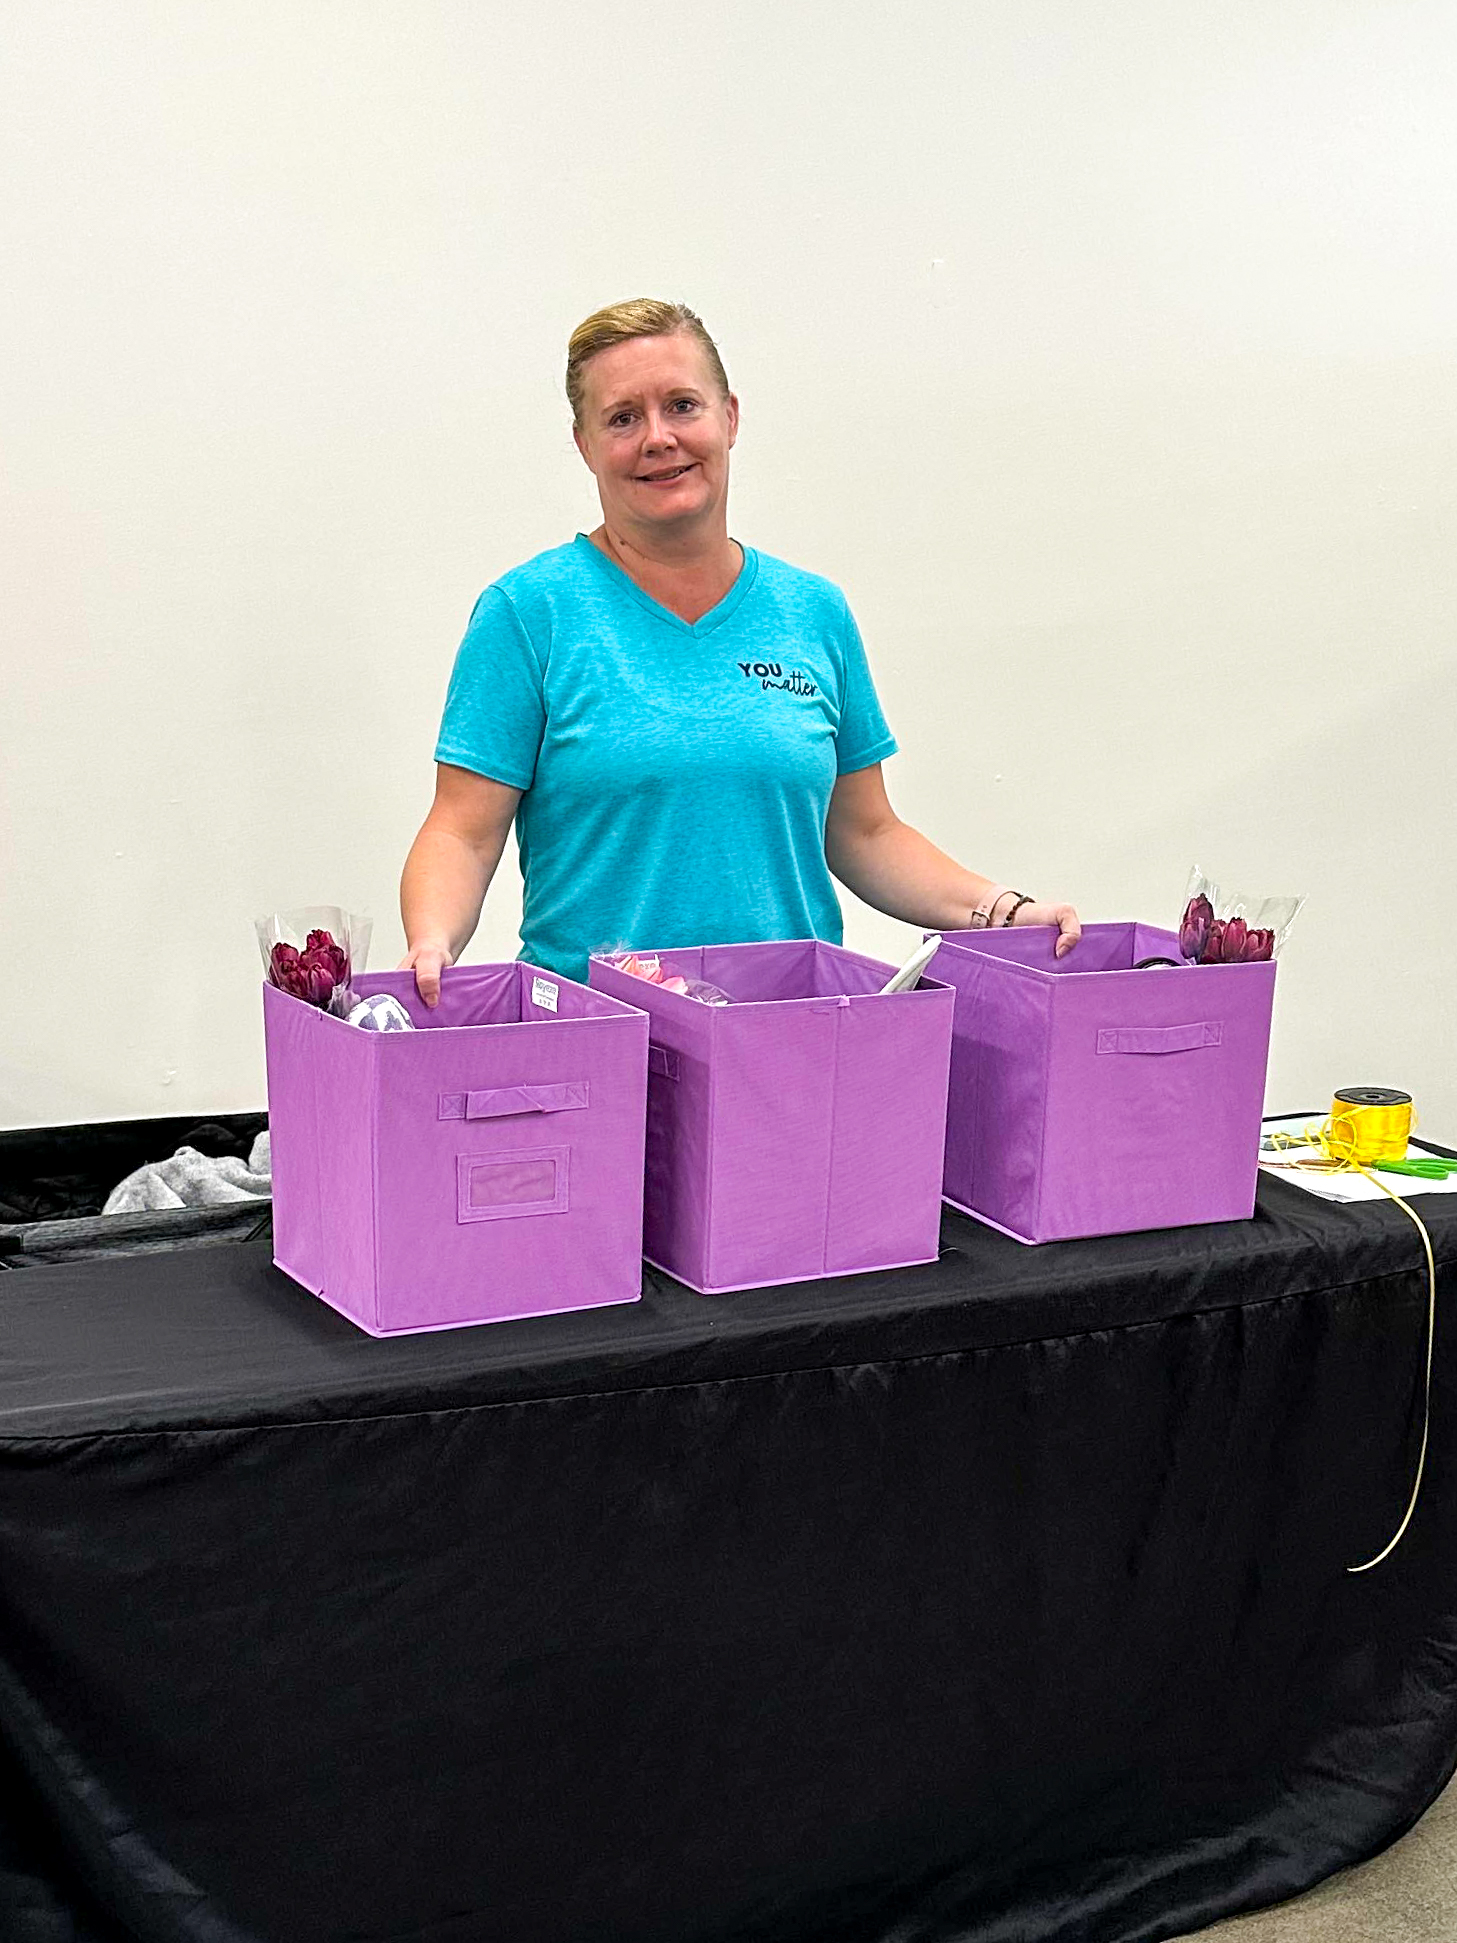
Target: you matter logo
{"points": [[770, 674]]}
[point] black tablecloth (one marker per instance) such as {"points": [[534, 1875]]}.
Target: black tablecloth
{"points": [[998, 1600]]}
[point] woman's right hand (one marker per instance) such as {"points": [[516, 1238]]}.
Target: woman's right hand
{"points": [[427, 962]]}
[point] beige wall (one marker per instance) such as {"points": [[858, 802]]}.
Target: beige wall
{"points": [[1104, 353]]}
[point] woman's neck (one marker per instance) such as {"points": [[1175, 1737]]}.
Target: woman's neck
{"points": [[689, 579]]}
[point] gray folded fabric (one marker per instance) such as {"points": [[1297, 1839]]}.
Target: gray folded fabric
{"points": [[192, 1180]]}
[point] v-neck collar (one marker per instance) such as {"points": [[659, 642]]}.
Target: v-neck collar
{"points": [[706, 623]]}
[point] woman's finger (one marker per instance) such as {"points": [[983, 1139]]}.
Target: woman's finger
{"points": [[426, 965], [427, 981], [1062, 915]]}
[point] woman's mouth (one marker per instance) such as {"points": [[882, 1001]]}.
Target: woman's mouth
{"points": [[663, 478]]}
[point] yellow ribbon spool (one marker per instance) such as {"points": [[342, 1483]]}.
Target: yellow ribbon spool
{"points": [[1369, 1123]]}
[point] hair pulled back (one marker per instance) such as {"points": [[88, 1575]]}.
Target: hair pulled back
{"points": [[617, 324]]}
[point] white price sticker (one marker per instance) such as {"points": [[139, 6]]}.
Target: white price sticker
{"points": [[544, 994]]}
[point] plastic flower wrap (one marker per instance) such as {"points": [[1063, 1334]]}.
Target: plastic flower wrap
{"points": [[313, 953], [651, 969], [1235, 929]]}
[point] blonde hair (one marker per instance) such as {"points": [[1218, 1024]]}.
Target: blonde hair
{"points": [[637, 317]]}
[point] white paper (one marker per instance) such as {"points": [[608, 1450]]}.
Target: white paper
{"points": [[1344, 1187]]}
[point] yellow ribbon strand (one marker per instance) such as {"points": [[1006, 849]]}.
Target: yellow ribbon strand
{"points": [[1416, 1488], [1352, 1136]]}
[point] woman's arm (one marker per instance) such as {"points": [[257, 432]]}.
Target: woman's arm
{"points": [[893, 867], [449, 869]]}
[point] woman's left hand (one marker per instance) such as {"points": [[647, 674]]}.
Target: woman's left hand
{"points": [[1062, 915]]}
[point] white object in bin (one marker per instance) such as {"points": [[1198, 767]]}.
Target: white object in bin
{"points": [[909, 974], [382, 1013]]}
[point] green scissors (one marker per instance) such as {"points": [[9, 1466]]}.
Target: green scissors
{"points": [[1431, 1167]]}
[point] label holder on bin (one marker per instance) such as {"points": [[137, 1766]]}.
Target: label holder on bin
{"points": [[506, 1186]]}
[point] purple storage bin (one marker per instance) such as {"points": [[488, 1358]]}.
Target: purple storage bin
{"points": [[1088, 1098], [486, 1167], [797, 1132]]}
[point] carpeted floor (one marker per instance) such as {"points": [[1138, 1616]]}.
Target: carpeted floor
{"points": [[1407, 1895]]}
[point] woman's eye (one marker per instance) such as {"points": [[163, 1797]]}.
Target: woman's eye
{"points": [[684, 404], [620, 418]]}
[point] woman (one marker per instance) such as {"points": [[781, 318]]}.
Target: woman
{"points": [[684, 731]]}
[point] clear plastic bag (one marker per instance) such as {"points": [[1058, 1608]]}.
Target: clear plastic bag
{"points": [[1234, 928], [312, 953], [651, 969]]}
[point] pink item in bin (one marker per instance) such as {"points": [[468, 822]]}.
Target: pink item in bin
{"points": [[796, 1132], [651, 969], [1089, 1097], [486, 1166]]}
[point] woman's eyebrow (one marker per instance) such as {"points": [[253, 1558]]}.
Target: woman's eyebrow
{"points": [[670, 391]]}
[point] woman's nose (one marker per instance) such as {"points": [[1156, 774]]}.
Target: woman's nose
{"points": [[657, 430]]}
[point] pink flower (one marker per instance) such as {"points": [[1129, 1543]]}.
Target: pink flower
{"points": [[320, 946], [1232, 944], [286, 969], [319, 978], [312, 974], [1221, 941]]}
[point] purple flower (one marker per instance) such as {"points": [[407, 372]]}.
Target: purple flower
{"points": [[1261, 945], [1194, 930]]}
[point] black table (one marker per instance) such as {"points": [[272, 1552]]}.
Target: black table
{"points": [[998, 1600]]}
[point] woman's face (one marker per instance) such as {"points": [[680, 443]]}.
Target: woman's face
{"points": [[656, 433]]}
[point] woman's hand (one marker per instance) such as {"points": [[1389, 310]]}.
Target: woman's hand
{"points": [[1062, 915], [427, 962]]}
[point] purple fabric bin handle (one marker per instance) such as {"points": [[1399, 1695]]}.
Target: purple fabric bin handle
{"points": [[662, 1061], [1160, 1038], [499, 1101]]}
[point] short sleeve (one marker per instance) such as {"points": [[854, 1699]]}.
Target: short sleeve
{"points": [[495, 710], [863, 736]]}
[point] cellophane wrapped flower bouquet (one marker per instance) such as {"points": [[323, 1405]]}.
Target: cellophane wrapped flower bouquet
{"points": [[1235, 929], [312, 953]]}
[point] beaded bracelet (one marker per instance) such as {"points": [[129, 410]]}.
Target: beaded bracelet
{"points": [[1011, 916]]}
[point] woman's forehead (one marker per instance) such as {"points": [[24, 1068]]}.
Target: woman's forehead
{"points": [[646, 364]]}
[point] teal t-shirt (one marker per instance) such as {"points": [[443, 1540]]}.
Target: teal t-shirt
{"points": [[677, 775]]}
